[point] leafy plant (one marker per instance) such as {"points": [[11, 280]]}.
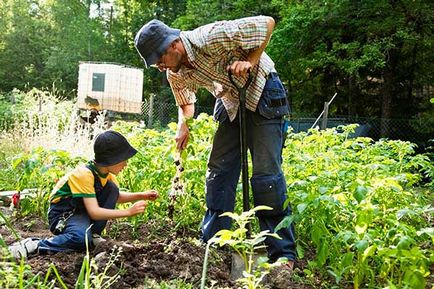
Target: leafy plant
{"points": [[246, 247], [19, 275], [355, 202], [40, 170], [90, 277]]}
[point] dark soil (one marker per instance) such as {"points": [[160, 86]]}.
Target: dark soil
{"points": [[154, 252]]}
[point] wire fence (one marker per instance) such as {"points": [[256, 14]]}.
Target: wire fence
{"points": [[158, 114], [414, 130]]}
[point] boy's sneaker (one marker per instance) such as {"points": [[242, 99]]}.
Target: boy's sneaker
{"points": [[24, 248], [97, 239]]}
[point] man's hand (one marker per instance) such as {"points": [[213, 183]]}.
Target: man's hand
{"points": [[150, 195], [182, 136], [137, 208], [240, 68]]}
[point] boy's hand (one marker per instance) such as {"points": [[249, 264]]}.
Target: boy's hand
{"points": [[137, 208], [150, 195]]}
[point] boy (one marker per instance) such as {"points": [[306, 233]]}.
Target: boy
{"points": [[84, 199]]}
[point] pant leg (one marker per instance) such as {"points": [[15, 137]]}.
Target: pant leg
{"points": [[107, 199], [265, 139], [73, 237], [222, 177]]}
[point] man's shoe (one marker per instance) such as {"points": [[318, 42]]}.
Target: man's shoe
{"points": [[97, 239], [24, 248]]}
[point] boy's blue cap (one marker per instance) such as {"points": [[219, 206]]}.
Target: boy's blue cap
{"points": [[153, 39], [111, 148]]}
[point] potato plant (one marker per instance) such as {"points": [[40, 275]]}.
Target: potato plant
{"points": [[363, 207]]}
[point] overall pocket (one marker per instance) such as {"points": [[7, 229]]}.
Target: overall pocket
{"points": [[269, 191], [273, 102], [58, 210]]}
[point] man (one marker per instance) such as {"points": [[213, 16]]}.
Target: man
{"points": [[202, 58]]}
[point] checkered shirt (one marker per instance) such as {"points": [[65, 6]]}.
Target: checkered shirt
{"points": [[210, 49]]}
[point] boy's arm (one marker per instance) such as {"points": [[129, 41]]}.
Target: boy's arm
{"points": [[97, 213], [125, 197]]}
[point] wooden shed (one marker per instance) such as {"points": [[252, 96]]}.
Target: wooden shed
{"points": [[110, 86]]}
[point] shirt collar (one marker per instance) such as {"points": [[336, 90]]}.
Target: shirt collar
{"points": [[188, 48]]}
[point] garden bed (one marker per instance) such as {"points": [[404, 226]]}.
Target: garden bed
{"points": [[148, 257]]}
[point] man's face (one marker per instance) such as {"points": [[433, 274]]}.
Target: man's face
{"points": [[171, 59]]}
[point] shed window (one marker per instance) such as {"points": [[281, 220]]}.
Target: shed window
{"points": [[98, 81]]}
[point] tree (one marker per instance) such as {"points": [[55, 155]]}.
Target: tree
{"points": [[370, 52], [24, 38]]}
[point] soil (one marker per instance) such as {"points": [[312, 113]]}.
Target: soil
{"points": [[155, 252]]}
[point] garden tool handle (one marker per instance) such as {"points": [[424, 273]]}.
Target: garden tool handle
{"points": [[242, 89], [243, 142]]}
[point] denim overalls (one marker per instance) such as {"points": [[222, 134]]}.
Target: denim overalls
{"points": [[265, 130], [73, 236]]}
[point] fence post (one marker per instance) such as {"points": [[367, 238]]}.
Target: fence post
{"points": [[151, 109], [325, 116]]}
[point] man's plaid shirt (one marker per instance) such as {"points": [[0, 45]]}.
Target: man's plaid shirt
{"points": [[210, 49]]}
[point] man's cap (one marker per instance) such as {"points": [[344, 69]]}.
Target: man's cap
{"points": [[153, 39], [111, 148]]}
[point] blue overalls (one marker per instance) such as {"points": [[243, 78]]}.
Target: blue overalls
{"points": [[73, 236], [265, 129]]}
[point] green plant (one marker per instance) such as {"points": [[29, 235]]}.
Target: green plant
{"points": [[246, 246], [90, 276], [362, 205], [9, 226], [19, 275], [40, 169]]}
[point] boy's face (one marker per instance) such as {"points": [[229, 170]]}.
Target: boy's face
{"points": [[117, 168]]}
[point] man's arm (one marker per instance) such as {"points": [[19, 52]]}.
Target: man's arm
{"points": [[240, 68], [97, 213], [184, 112]]}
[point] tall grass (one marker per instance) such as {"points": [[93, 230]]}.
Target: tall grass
{"points": [[54, 124]]}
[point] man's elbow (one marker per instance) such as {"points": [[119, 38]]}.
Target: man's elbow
{"points": [[270, 22]]}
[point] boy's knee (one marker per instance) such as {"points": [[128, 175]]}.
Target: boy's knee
{"points": [[78, 239]]}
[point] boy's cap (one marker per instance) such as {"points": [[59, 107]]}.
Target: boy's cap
{"points": [[153, 39], [111, 148]]}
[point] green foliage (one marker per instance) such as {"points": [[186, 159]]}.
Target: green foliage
{"points": [[153, 168], [373, 53], [40, 169], [32, 109], [5, 220], [365, 207], [246, 247], [19, 275], [355, 203], [179, 284], [358, 49]]}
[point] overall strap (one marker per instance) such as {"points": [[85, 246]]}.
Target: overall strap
{"points": [[97, 182]]}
